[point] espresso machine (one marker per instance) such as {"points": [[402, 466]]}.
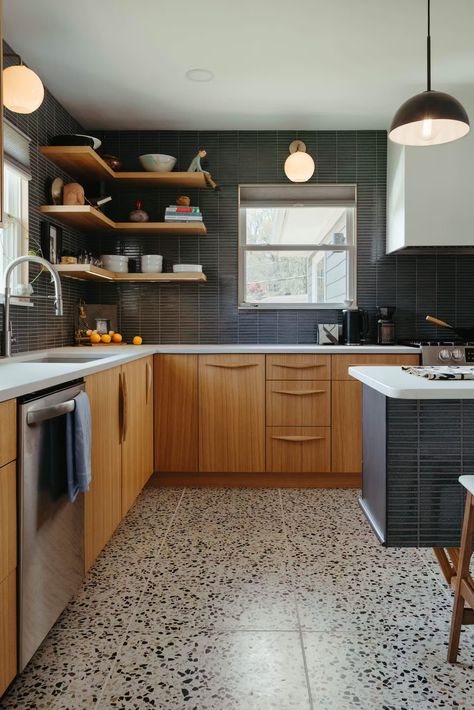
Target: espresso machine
{"points": [[385, 325]]}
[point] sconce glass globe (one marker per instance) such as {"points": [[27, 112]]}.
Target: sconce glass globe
{"points": [[299, 166], [23, 91]]}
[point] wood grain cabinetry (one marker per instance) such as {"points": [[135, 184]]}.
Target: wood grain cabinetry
{"points": [[8, 529], [298, 367], [232, 413], [137, 428], [298, 403], [176, 413], [103, 506], [8, 642], [7, 432], [298, 449], [346, 418]]}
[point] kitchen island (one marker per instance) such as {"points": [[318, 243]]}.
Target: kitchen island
{"points": [[418, 438]]}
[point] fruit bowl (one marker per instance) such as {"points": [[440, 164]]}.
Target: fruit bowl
{"points": [[157, 162]]}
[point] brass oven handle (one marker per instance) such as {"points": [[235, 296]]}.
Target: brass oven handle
{"points": [[299, 393], [148, 382], [298, 438]]}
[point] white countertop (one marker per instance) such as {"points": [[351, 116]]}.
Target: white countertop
{"points": [[20, 376], [395, 383]]}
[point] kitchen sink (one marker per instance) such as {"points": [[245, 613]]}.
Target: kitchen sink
{"points": [[64, 359]]}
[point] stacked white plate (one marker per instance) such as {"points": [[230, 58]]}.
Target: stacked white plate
{"points": [[180, 268]]}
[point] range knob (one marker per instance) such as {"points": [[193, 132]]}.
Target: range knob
{"points": [[444, 355], [457, 355]]}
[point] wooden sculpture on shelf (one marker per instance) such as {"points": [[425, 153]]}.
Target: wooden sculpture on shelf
{"points": [[73, 194], [82, 326], [199, 164]]}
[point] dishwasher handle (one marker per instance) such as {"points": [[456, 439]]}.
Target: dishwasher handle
{"points": [[56, 410]]}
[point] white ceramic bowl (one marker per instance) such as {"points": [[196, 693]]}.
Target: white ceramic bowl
{"points": [[180, 268], [152, 264], [157, 162], [115, 262]]}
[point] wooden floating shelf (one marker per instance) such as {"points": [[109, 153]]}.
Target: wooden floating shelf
{"points": [[90, 219], [84, 163], [89, 272]]}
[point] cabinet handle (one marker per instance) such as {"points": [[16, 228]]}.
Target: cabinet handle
{"points": [[232, 367], [299, 367], [148, 382], [299, 393], [120, 408], [298, 438], [125, 407]]}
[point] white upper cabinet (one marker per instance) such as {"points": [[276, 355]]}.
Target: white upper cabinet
{"points": [[430, 195]]}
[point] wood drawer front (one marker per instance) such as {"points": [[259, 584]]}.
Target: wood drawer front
{"points": [[8, 647], [7, 519], [7, 431], [298, 449], [298, 367], [341, 363], [301, 403]]}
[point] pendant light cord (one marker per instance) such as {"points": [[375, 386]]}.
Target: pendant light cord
{"points": [[428, 50]]}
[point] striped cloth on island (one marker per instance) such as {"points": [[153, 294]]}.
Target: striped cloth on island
{"points": [[442, 372]]}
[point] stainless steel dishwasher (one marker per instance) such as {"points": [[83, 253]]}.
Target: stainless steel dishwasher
{"points": [[51, 544]]}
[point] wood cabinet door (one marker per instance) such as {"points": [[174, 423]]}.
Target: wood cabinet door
{"points": [[341, 363], [137, 428], [148, 424], [8, 647], [298, 449], [7, 431], [176, 413], [103, 501], [346, 426], [231, 413], [7, 519], [298, 367], [298, 403]]}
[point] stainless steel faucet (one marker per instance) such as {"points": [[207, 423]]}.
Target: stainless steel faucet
{"points": [[58, 295]]}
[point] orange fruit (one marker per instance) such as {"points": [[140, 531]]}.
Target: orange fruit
{"points": [[106, 338], [117, 338], [137, 340], [95, 338]]}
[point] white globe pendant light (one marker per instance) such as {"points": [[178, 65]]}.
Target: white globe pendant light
{"points": [[429, 118], [23, 90], [299, 166]]}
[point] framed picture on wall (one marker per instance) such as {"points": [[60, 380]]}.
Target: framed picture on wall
{"points": [[51, 242]]}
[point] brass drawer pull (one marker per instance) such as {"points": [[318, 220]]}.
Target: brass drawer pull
{"points": [[299, 367], [299, 393], [298, 438], [232, 367]]}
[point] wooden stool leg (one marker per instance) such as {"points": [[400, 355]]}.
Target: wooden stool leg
{"points": [[462, 573]]}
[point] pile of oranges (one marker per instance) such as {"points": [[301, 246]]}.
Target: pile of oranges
{"points": [[111, 337]]}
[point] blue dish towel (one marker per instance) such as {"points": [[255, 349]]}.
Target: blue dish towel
{"points": [[78, 440]]}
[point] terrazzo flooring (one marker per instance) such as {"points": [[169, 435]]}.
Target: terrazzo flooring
{"points": [[226, 599]]}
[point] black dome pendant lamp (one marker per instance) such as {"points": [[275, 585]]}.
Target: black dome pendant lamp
{"points": [[429, 118]]}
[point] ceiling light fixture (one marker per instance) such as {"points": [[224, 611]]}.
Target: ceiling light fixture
{"points": [[199, 75], [23, 90], [431, 117], [299, 166]]}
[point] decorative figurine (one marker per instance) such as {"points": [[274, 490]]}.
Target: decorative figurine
{"points": [[197, 166], [73, 194], [183, 201], [138, 215], [80, 333]]}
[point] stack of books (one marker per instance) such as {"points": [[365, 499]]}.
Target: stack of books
{"points": [[176, 213]]}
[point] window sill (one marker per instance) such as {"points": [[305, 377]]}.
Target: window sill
{"points": [[17, 301], [293, 306]]}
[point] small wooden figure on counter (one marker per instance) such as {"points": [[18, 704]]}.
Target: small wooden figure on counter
{"points": [[73, 194], [200, 165], [138, 215], [80, 333]]}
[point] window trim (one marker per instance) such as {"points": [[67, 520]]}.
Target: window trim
{"points": [[22, 276], [243, 247]]}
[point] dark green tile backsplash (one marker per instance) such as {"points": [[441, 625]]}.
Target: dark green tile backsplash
{"points": [[416, 285]]}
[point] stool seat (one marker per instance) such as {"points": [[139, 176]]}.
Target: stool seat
{"points": [[467, 482]]}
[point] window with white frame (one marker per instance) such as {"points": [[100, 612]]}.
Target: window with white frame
{"points": [[14, 234], [297, 246]]}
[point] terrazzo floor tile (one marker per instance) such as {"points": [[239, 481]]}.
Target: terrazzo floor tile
{"points": [[209, 671], [396, 668]]}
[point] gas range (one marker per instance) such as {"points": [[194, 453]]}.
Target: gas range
{"points": [[444, 352]]}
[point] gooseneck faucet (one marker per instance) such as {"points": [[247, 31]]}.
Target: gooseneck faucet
{"points": [[58, 295]]}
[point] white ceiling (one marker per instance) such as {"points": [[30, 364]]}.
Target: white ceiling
{"points": [[306, 64]]}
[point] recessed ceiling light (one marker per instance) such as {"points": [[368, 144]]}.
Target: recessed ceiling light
{"points": [[199, 75]]}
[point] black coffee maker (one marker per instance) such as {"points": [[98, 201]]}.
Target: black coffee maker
{"points": [[355, 325]]}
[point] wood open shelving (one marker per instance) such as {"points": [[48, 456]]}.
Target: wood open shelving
{"points": [[85, 217], [89, 272], [84, 163]]}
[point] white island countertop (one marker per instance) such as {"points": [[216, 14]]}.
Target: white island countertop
{"points": [[20, 375], [394, 382]]}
